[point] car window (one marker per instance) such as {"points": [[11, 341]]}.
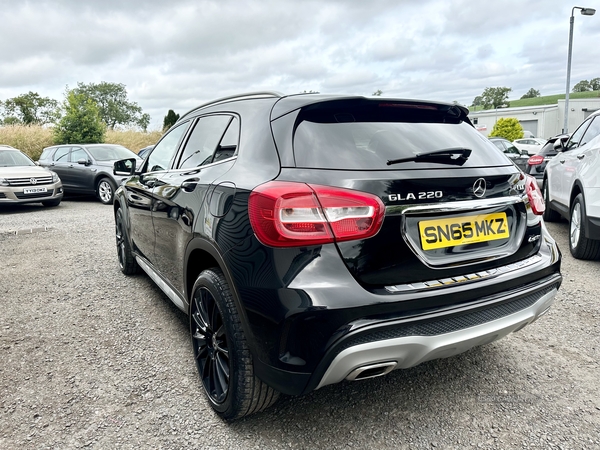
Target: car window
{"points": [[62, 154], [201, 145], [161, 156], [228, 145], [576, 137], [512, 149], [45, 154], [592, 131], [78, 153]]}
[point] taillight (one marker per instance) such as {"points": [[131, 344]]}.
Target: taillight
{"points": [[535, 160], [289, 214], [536, 199]]}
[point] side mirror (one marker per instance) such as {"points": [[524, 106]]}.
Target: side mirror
{"points": [[124, 167], [524, 153], [83, 162]]}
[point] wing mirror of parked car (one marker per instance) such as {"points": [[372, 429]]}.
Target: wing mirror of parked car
{"points": [[524, 152], [84, 162], [559, 144], [124, 167]]}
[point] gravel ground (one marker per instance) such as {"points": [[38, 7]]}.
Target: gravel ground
{"points": [[93, 359]]}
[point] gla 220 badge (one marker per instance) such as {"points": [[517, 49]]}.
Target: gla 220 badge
{"points": [[416, 196]]}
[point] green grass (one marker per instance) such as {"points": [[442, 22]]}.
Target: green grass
{"points": [[545, 100]]}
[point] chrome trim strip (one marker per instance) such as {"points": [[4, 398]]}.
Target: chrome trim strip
{"points": [[467, 205], [470, 277], [410, 351], [161, 284]]}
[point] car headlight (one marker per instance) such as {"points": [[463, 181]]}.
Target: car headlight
{"points": [[55, 178]]}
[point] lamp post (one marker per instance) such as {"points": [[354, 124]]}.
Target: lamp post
{"points": [[584, 12]]}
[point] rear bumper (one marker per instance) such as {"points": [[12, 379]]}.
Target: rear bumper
{"points": [[426, 344]]}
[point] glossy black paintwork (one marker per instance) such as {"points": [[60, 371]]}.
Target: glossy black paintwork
{"points": [[296, 303]]}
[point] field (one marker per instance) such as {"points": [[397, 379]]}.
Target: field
{"points": [[545, 100], [32, 139]]}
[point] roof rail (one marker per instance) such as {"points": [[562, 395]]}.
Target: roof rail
{"points": [[259, 94]]}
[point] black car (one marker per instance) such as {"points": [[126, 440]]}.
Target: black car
{"points": [[313, 239], [536, 164], [517, 156], [87, 168]]}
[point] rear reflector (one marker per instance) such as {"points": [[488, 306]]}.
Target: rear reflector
{"points": [[290, 214], [536, 199], [535, 160]]}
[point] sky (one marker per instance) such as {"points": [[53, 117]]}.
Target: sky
{"points": [[179, 54]]}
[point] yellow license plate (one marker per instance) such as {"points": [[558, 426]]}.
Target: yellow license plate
{"points": [[441, 233]]}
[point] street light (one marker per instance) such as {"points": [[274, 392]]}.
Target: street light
{"points": [[584, 12]]}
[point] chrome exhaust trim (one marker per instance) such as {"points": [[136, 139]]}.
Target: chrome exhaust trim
{"points": [[371, 371]]}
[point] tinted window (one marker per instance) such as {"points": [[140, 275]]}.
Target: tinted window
{"points": [[228, 145], [203, 141], [110, 152], [592, 131], [62, 154], [161, 156], [369, 145]]}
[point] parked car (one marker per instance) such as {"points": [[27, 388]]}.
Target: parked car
{"points": [[87, 168], [517, 156], [536, 164], [144, 151], [22, 181], [530, 145], [313, 239], [572, 187]]}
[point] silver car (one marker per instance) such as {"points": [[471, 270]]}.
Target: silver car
{"points": [[22, 181], [87, 168]]}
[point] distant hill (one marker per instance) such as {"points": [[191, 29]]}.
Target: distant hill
{"points": [[545, 100]]}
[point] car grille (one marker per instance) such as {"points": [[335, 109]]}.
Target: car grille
{"points": [[26, 181], [449, 324], [22, 196], [2, 195]]}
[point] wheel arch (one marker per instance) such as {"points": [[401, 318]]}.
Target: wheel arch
{"points": [[575, 191]]}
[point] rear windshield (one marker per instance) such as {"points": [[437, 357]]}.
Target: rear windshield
{"points": [[368, 136]]}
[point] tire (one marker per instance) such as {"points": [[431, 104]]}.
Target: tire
{"points": [[549, 214], [222, 356], [105, 191], [127, 262], [51, 202], [580, 246]]}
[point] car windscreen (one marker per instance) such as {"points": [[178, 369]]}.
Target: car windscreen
{"points": [[13, 158], [368, 137], [110, 152]]}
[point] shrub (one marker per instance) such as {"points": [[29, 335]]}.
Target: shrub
{"points": [[30, 139], [81, 123], [131, 139], [508, 128]]}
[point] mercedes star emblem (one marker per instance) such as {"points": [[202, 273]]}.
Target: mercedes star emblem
{"points": [[479, 188]]}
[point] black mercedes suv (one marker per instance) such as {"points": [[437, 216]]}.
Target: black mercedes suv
{"points": [[313, 239]]}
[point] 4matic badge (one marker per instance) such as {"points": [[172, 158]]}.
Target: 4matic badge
{"points": [[428, 195]]}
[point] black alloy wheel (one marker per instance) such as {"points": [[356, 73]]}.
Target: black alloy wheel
{"points": [[222, 355], [127, 261], [211, 349]]}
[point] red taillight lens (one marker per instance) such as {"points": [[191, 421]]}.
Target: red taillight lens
{"points": [[536, 199], [289, 214], [535, 160]]}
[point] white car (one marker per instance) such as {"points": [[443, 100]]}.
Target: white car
{"points": [[572, 187], [531, 145]]}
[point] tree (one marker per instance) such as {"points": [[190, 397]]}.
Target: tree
{"points": [[477, 101], [113, 106], [170, 120], [508, 128], [30, 109], [531, 93], [494, 97], [81, 123], [595, 84], [378, 93], [582, 86]]}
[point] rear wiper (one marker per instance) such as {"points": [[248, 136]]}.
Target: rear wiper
{"points": [[454, 156]]}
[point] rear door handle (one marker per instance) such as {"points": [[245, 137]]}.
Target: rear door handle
{"points": [[562, 161], [580, 156]]}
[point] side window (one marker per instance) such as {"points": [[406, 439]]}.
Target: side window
{"points": [[592, 131], [577, 135], [78, 153], [162, 154], [62, 154], [228, 145], [203, 141]]}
